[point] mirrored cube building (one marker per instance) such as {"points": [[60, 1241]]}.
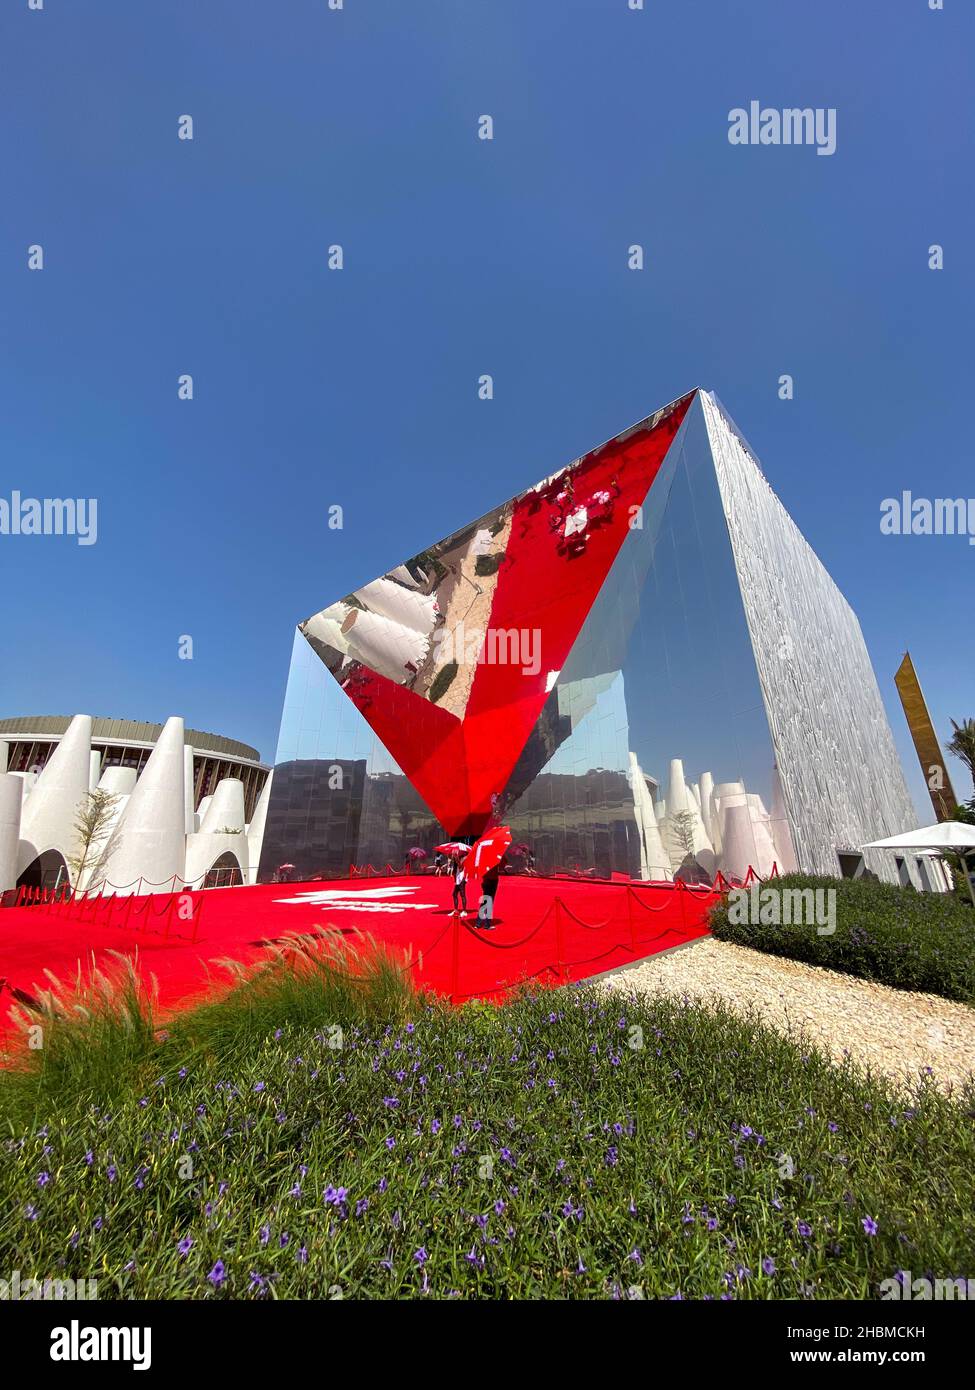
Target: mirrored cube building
{"points": [[639, 664]]}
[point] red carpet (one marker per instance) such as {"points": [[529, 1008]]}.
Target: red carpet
{"points": [[546, 929]]}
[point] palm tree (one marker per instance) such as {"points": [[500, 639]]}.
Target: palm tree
{"points": [[962, 744]]}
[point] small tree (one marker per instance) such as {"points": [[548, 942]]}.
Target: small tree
{"points": [[682, 829], [963, 744], [95, 813]]}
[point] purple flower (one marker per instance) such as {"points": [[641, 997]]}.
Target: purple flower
{"points": [[869, 1225], [804, 1229], [768, 1265], [420, 1256], [258, 1087], [112, 1172], [265, 1234], [185, 1246], [217, 1274], [43, 1179]]}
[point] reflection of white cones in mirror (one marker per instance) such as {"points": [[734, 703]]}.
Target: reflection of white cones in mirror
{"points": [[707, 790], [403, 606], [785, 854], [386, 647], [762, 835], [677, 793], [738, 852], [654, 861], [326, 627]]}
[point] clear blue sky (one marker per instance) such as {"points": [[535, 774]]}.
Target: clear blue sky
{"points": [[462, 256]]}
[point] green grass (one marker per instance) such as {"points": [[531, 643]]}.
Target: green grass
{"points": [[916, 941], [323, 1133]]}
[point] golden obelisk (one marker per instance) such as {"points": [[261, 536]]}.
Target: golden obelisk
{"points": [[925, 739]]}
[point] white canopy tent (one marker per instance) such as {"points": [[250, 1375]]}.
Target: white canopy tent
{"points": [[947, 837]]}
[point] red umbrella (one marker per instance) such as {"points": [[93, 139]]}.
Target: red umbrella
{"points": [[452, 847], [487, 852]]}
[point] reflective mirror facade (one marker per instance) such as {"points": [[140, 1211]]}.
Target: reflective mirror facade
{"points": [[579, 664]]}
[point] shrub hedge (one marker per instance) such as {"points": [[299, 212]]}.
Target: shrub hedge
{"points": [[896, 936]]}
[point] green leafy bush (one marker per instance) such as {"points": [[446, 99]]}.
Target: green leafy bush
{"points": [[486, 565], [442, 681], [896, 936]]}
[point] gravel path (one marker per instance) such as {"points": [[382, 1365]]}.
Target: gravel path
{"points": [[890, 1030]]}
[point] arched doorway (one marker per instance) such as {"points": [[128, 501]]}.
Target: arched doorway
{"points": [[224, 872], [48, 870]]}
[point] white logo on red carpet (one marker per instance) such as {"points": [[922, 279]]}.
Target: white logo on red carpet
{"points": [[359, 900]]}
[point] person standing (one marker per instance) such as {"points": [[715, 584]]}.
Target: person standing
{"points": [[489, 893], [460, 889]]}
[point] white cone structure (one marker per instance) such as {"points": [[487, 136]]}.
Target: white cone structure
{"points": [[94, 769], [3, 756], [255, 831], [202, 809], [148, 847], [56, 798], [11, 791], [117, 781], [405, 606], [386, 647], [226, 809], [221, 832]]}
